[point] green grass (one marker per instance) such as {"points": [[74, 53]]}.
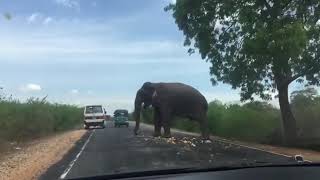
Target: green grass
{"points": [[35, 118], [250, 122]]}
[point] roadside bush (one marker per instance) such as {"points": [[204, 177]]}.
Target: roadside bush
{"points": [[305, 106], [35, 118], [185, 124], [251, 122]]}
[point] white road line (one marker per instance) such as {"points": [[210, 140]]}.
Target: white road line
{"points": [[65, 173], [258, 149]]}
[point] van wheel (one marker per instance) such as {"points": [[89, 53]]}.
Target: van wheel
{"points": [[86, 127]]}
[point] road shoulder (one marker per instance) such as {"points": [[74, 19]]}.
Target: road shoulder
{"points": [[31, 161]]}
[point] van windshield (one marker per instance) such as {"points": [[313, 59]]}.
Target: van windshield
{"points": [[93, 109], [120, 113]]}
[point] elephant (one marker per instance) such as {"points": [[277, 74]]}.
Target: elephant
{"points": [[169, 100]]}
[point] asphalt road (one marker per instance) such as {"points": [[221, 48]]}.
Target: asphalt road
{"points": [[117, 150]]}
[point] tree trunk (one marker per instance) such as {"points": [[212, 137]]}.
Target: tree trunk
{"points": [[288, 120]]}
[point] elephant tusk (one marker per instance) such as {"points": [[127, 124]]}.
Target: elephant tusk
{"points": [[154, 94]]}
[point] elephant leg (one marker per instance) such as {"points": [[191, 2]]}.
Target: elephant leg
{"points": [[166, 119], [202, 119], [157, 123], [204, 127], [167, 132]]}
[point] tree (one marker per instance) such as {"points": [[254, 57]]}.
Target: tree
{"points": [[259, 106], [304, 98], [305, 105], [258, 46]]}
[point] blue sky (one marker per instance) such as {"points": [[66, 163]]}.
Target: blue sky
{"points": [[96, 52]]}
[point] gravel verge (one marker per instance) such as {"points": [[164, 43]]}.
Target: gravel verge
{"points": [[30, 161]]}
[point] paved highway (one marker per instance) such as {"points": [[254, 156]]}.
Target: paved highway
{"points": [[117, 150]]}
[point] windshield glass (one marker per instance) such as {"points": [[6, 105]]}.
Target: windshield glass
{"points": [[120, 113], [197, 83], [94, 109]]}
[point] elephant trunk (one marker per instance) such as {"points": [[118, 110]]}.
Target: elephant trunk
{"points": [[137, 110]]}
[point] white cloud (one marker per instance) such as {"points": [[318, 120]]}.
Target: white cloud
{"points": [[38, 17], [47, 20], [69, 4], [33, 17], [224, 96], [31, 88], [80, 48], [69, 40], [74, 91], [111, 103]]}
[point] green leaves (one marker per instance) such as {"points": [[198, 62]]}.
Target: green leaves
{"points": [[289, 41], [252, 43], [35, 118]]}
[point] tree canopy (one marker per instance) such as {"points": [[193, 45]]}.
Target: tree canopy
{"points": [[254, 45], [258, 46]]}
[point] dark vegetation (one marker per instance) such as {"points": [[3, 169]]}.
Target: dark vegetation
{"points": [[34, 118]]}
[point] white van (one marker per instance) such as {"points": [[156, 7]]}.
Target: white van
{"points": [[94, 115]]}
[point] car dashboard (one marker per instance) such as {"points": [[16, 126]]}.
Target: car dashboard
{"points": [[280, 172]]}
